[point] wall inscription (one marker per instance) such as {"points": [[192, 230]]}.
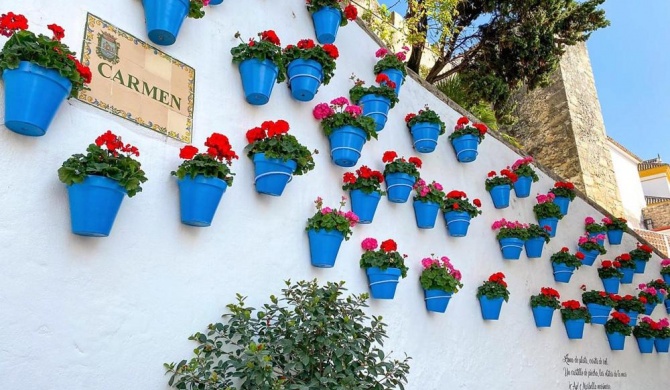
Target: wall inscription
{"points": [[591, 373], [137, 82]]}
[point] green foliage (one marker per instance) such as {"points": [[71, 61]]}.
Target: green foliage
{"points": [[599, 297], [391, 61], [535, 231], [206, 165], [426, 115], [458, 201], [547, 210], [527, 170], [493, 290], [437, 277], [365, 180], [261, 50], [595, 228], [315, 5], [575, 314], [593, 246], [379, 22], [458, 91], [497, 181], [516, 232], [316, 53], [613, 325], [616, 224], [312, 337], [341, 119], [358, 91], [332, 219], [429, 192], [644, 330], [566, 258], [544, 300], [630, 303], [384, 260], [196, 9], [400, 165], [284, 147], [640, 254], [609, 272]]}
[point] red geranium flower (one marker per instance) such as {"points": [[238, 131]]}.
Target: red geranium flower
{"points": [[349, 178], [409, 117], [462, 121], [187, 152], [579, 255], [606, 264], [481, 127], [270, 36], [331, 50], [455, 206], [59, 32], [389, 246], [350, 12], [389, 156], [305, 44], [416, 161], [477, 202]]}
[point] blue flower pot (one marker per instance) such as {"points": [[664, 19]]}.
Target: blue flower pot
{"points": [[396, 76], [667, 306], [457, 223], [465, 148], [490, 307], [511, 248], [627, 275], [666, 278], [436, 300], [543, 316], [615, 236], [662, 345], [575, 328], [304, 78], [534, 247], [32, 97], [589, 256], [631, 314], [94, 204], [272, 174], [562, 273], [425, 214], [323, 247], [616, 340], [376, 107], [594, 235], [383, 282], [326, 23], [599, 313], [563, 203], [399, 186], [522, 186], [164, 19], [198, 199], [424, 136], [500, 196], [258, 78], [552, 222], [215, 2], [346, 143], [611, 285], [649, 308], [364, 205], [645, 344], [640, 265]]}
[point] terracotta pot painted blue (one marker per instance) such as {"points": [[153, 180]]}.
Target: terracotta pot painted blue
{"points": [[272, 174], [436, 300], [594, 235], [465, 148], [364, 205], [323, 247], [490, 307], [199, 198], [662, 345], [258, 79], [511, 248], [346, 144], [611, 285], [599, 313], [424, 136], [94, 204], [522, 186], [616, 340], [645, 344], [666, 278], [640, 266], [457, 223], [589, 256], [326, 23], [631, 314], [534, 247], [500, 196], [562, 273], [649, 308], [563, 203], [164, 19], [615, 236], [552, 222], [32, 97], [628, 274], [383, 282], [425, 214], [399, 186], [575, 328], [396, 76], [304, 78], [543, 316], [376, 107]]}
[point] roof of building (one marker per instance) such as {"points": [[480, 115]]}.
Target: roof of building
{"points": [[655, 199], [624, 149], [652, 163]]}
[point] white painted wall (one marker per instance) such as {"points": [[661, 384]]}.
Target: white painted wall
{"points": [[81, 313], [656, 185], [630, 187]]}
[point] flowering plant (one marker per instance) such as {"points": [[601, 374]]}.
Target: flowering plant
{"points": [[433, 192], [332, 219], [386, 257], [535, 231], [385, 89], [349, 12], [625, 260], [619, 323], [395, 164], [509, 229], [564, 189], [272, 139], [215, 162], [664, 331], [600, 298], [565, 257], [573, 310], [665, 266], [425, 116], [615, 224], [115, 162], [610, 269], [50, 53], [647, 328], [506, 177], [591, 244], [440, 275], [306, 49], [654, 292], [266, 48], [463, 127], [196, 8], [495, 287], [458, 201], [341, 113], [547, 297], [592, 226], [642, 252], [365, 180], [630, 303], [391, 61], [546, 208], [522, 168]]}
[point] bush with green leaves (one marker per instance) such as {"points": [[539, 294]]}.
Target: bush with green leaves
{"points": [[564, 189], [510, 229], [266, 48], [521, 167], [340, 113], [215, 162], [610, 269], [385, 257], [272, 139], [395, 164], [646, 328], [548, 297], [330, 219], [440, 274], [429, 193], [312, 337], [456, 200], [306, 49], [600, 298], [386, 89], [630, 303], [535, 231], [642, 252], [566, 258], [573, 310], [426, 115], [494, 287], [365, 180], [546, 208], [619, 323]]}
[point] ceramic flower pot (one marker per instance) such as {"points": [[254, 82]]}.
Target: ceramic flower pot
{"points": [[258, 79], [323, 247], [645, 344], [522, 186], [396, 76], [376, 107], [649, 308], [436, 300], [631, 314], [640, 266], [611, 285], [628, 274], [272, 174], [543, 316], [199, 198], [563, 203], [465, 148], [575, 328], [511, 247], [599, 313], [534, 247], [364, 205], [304, 78], [346, 144], [562, 273], [500, 196], [589, 256], [616, 340], [326, 23], [425, 214], [94, 204], [383, 282], [490, 307], [424, 136], [399, 186], [164, 19], [457, 223], [552, 222], [615, 236], [662, 345]]}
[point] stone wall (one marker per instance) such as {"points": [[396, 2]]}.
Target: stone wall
{"points": [[659, 213]]}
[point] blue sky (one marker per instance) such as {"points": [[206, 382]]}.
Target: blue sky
{"points": [[631, 64]]}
